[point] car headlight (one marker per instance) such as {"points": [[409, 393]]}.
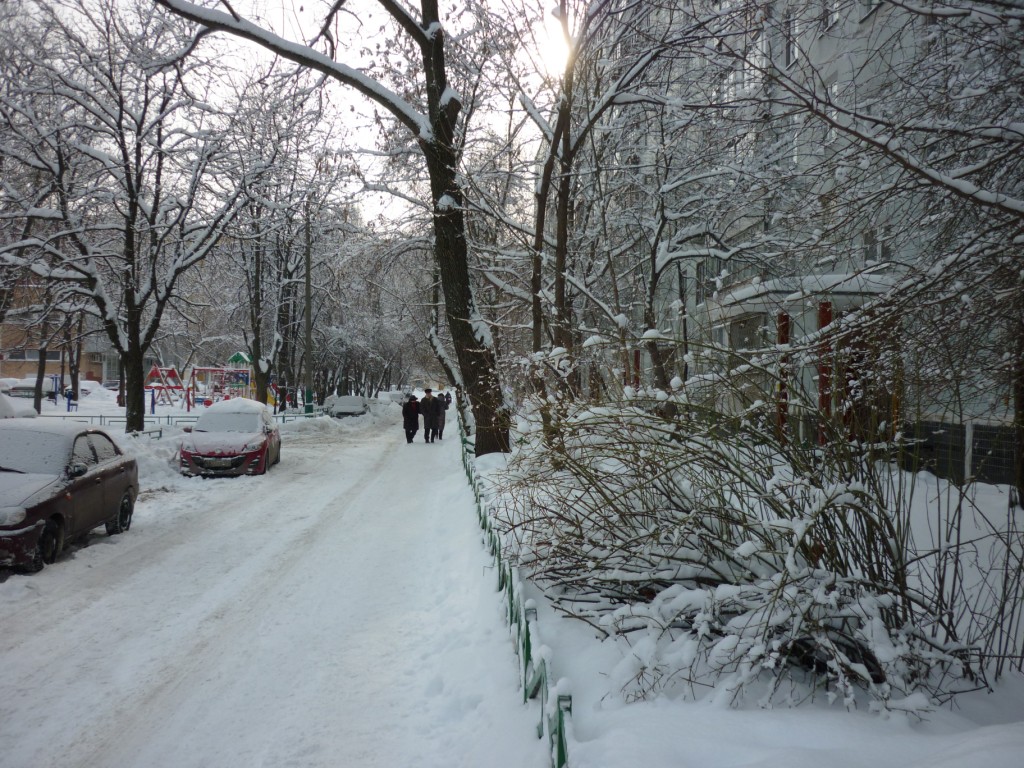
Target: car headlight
{"points": [[11, 515], [253, 445]]}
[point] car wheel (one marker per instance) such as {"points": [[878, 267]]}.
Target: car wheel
{"points": [[51, 542], [123, 521]]}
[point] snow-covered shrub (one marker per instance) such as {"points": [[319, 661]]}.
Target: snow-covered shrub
{"points": [[722, 556]]}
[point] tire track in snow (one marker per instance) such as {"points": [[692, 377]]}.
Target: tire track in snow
{"points": [[142, 549], [231, 618]]}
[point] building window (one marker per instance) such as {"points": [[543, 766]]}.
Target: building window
{"points": [[32, 354], [829, 14], [832, 115], [876, 246], [708, 271], [700, 282], [747, 333], [791, 30], [867, 6]]}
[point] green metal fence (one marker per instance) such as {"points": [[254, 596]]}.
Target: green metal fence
{"points": [[171, 419], [114, 420], [534, 671]]}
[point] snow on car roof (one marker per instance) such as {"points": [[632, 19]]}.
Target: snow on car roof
{"points": [[237, 405], [51, 426]]}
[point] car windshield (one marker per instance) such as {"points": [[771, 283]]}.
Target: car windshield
{"points": [[33, 452], [218, 421]]}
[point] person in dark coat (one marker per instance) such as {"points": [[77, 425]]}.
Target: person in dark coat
{"points": [[442, 398], [430, 407], [411, 418]]}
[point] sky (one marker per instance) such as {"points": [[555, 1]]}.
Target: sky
{"points": [[361, 45], [342, 611]]}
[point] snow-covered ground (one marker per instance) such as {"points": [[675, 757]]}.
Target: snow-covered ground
{"points": [[340, 611]]}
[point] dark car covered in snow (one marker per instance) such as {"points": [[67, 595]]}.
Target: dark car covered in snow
{"points": [[58, 481], [231, 437], [346, 405]]}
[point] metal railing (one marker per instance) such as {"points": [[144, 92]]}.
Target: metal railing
{"points": [[294, 415], [112, 420], [166, 420], [534, 671]]}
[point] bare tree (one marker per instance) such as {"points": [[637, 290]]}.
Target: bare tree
{"points": [[127, 165]]}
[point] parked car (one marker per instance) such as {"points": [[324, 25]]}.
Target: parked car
{"points": [[58, 481], [28, 390], [231, 437], [346, 405], [15, 409]]}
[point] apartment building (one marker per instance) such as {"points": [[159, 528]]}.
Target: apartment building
{"points": [[825, 216], [28, 331]]}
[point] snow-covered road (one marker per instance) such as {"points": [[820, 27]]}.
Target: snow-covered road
{"points": [[336, 612]]}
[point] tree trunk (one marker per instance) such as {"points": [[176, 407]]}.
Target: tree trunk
{"points": [[285, 367], [261, 380], [470, 335], [37, 399], [1018, 408], [562, 326], [75, 360], [134, 388], [44, 334], [261, 368]]}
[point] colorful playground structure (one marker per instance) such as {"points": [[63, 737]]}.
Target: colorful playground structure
{"points": [[204, 385]]}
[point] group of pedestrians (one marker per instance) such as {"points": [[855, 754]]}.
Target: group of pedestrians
{"points": [[432, 409]]}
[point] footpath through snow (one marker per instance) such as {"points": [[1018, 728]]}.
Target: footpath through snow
{"points": [[336, 612]]}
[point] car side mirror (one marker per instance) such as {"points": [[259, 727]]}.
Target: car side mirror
{"points": [[77, 470]]}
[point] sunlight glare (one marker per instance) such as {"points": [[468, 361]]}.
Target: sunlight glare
{"points": [[554, 51]]}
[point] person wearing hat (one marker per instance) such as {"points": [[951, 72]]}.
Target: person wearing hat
{"points": [[411, 418], [430, 408]]}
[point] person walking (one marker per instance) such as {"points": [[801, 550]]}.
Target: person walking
{"points": [[430, 407], [411, 418], [442, 399]]}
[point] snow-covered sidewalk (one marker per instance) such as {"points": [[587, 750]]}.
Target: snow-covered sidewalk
{"points": [[336, 612]]}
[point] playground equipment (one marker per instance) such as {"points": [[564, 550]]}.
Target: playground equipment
{"points": [[165, 385], [205, 383], [217, 383]]}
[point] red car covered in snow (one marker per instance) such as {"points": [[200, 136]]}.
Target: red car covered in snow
{"points": [[231, 437]]}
